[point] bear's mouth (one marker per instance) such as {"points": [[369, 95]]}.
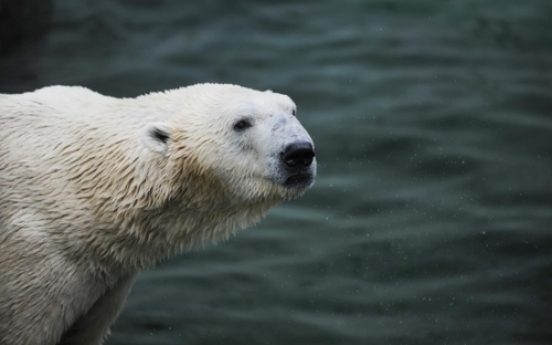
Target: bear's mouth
{"points": [[299, 181]]}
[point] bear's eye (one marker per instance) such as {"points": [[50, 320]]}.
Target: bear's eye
{"points": [[160, 135], [242, 124], [294, 112]]}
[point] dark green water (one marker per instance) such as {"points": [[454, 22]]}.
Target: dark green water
{"points": [[430, 222]]}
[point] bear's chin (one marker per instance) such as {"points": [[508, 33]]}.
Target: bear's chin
{"points": [[293, 186], [299, 182], [294, 182]]}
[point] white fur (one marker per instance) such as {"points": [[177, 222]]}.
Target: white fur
{"points": [[95, 188]]}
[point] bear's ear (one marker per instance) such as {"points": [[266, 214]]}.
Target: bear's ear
{"points": [[156, 137], [269, 91]]}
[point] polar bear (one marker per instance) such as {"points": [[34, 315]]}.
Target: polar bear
{"points": [[94, 188]]}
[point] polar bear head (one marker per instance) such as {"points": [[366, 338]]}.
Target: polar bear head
{"points": [[245, 144]]}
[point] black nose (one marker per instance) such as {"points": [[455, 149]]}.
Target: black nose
{"points": [[298, 154]]}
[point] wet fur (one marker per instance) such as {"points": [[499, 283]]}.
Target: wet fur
{"points": [[90, 195]]}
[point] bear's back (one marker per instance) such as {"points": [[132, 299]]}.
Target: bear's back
{"points": [[50, 137]]}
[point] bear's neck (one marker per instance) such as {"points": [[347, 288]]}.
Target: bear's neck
{"points": [[150, 236]]}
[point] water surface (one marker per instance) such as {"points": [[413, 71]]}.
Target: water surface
{"points": [[430, 221]]}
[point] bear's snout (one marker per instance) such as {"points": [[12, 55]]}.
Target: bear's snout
{"points": [[298, 154], [299, 167]]}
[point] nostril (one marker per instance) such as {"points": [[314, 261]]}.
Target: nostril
{"points": [[298, 154]]}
